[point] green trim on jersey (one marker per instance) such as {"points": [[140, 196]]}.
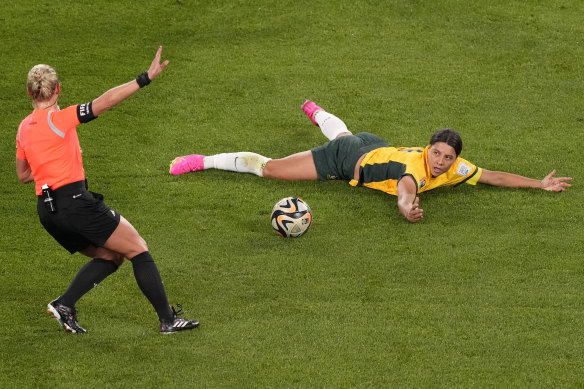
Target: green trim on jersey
{"points": [[390, 170]]}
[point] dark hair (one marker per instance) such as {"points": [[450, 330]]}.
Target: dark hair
{"points": [[450, 137]]}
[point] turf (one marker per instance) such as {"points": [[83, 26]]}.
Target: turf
{"points": [[486, 291]]}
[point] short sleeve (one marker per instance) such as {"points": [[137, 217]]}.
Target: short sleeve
{"points": [[20, 154], [475, 178], [466, 172], [65, 119]]}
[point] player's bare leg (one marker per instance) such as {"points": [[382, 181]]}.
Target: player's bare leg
{"points": [[296, 167]]}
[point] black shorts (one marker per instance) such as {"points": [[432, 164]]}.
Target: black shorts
{"points": [[336, 160], [81, 218]]}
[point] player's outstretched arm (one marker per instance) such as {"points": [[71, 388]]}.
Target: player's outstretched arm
{"points": [[116, 95], [407, 201], [549, 182]]}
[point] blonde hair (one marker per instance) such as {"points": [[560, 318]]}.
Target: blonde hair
{"points": [[42, 82]]}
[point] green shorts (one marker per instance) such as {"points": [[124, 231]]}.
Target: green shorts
{"points": [[336, 160]]}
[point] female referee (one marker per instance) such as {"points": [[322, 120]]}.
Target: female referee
{"points": [[48, 153], [366, 160]]}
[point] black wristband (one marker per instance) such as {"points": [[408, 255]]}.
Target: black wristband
{"points": [[143, 80]]}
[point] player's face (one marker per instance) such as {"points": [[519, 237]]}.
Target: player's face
{"points": [[440, 157]]}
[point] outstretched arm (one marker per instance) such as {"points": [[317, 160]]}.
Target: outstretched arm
{"points": [[549, 182], [407, 201], [116, 95]]}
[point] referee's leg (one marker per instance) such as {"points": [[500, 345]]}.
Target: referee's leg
{"points": [[127, 241], [104, 262]]}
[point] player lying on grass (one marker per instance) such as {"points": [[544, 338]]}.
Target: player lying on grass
{"points": [[366, 160], [48, 153]]}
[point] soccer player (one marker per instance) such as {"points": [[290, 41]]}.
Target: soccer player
{"points": [[366, 160], [48, 153]]}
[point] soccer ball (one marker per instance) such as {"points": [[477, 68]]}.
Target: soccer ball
{"points": [[291, 217]]}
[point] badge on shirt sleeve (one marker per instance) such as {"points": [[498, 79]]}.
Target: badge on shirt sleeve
{"points": [[463, 169]]}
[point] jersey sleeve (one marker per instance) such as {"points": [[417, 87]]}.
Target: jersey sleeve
{"points": [[64, 120], [475, 178], [20, 154], [70, 117], [466, 172], [417, 172]]}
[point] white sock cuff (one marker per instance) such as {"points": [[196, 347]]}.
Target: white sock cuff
{"points": [[330, 125]]}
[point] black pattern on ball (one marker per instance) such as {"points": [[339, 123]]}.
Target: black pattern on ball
{"points": [[291, 217]]}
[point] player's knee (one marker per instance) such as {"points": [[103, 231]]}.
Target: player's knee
{"points": [[142, 245], [276, 168], [138, 247], [109, 255], [118, 260], [346, 133]]}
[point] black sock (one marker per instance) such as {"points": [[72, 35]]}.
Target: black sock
{"points": [[88, 277], [150, 283]]}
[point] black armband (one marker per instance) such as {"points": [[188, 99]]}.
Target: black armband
{"points": [[85, 112], [143, 80]]}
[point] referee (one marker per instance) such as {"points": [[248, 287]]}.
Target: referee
{"points": [[48, 153]]}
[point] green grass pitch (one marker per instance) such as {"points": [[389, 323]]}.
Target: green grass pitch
{"points": [[485, 292]]}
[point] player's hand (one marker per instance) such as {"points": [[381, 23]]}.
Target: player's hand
{"points": [[156, 66], [555, 184], [415, 214]]}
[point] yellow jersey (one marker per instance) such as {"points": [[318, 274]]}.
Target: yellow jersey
{"points": [[382, 169]]}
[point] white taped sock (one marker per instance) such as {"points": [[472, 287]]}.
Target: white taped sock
{"points": [[242, 162], [330, 125]]}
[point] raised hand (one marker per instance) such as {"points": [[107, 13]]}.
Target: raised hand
{"points": [[156, 67]]}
